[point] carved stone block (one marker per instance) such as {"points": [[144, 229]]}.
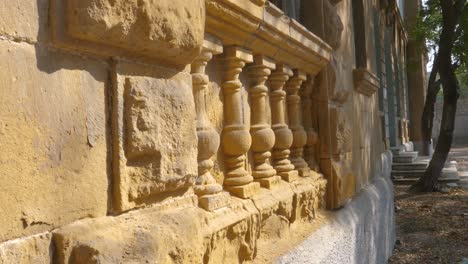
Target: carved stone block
{"points": [[270, 183], [170, 31], [154, 136], [244, 191], [214, 201], [365, 82]]}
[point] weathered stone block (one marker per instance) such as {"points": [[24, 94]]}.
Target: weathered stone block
{"points": [[214, 201], [269, 183], [244, 191], [231, 232], [170, 31], [24, 20], [144, 236], [33, 249], [154, 134], [53, 158]]}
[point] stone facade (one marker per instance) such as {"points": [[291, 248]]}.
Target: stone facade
{"points": [[189, 131]]}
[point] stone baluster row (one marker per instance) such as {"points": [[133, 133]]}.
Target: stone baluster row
{"points": [[236, 138], [295, 123], [312, 137], [208, 190], [263, 137], [284, 136], [279, 143]]}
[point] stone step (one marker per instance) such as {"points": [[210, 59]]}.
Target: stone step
{"points": [[407, 153], [463, 179], [408, 173], [409, 166], [409, 181], [404, 159], [449, 174], [397, 150], [404, 181]]}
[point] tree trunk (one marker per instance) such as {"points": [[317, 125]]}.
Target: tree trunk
{"points": [[450, 16], [427, 121]]}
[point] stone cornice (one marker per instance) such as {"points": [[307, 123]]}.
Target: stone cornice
{"points": [[365, 82], [264, 29]]}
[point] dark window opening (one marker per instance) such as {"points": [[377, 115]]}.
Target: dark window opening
{"points": [[291, 8]]}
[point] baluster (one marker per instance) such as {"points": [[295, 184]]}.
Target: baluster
{"points": [[210, 193], [236, 138], [295, 123], [263, 137], [283, 135], [312, 137]]}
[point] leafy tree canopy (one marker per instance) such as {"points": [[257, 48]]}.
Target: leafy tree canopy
{"points": [[428, 29]]}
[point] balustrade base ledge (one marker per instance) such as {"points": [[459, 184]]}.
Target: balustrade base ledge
{"points": [[303, 172], [223, 235], [214, 201], [244, 191], [289, 176], [269, 183]]}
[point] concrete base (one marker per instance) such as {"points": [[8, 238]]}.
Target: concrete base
{"points": [[361, 232], [417, 146]]}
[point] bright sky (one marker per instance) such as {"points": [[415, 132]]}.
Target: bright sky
{"points": [[430, 53]]}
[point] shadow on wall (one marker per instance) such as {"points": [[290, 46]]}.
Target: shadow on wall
{"points": [[51, 60]]}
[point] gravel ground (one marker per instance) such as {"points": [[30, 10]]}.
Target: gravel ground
{"points": [[433, 227]]}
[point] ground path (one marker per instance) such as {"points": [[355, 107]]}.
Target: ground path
{"points": [[433, 228]]}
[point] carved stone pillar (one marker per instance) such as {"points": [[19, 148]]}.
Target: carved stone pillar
{"points": [[312, 137], [236, 138], [263, 137], [210, 195], [283, 135], [295, 123]]}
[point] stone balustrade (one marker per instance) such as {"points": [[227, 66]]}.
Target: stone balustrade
{"points": [[267, 135]]}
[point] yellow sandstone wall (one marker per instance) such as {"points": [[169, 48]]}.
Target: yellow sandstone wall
{"points": [[53, 125], [98, 131]]}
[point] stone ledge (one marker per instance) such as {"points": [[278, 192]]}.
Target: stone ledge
{"points": [[266, 30], [362, 232], [177, 232], [32, 249], [365, 82]]}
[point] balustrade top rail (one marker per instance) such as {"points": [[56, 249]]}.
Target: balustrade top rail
{"points": [[264, 29]]}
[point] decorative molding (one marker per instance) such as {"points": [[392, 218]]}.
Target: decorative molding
{"points": [[365, 82], [259, 2], [267, 31]]}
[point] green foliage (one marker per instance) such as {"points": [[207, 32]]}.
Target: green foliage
{"points": [[429, 25], [428, 28]]}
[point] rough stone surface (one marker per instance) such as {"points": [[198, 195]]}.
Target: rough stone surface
{"points": [[24, 20], [114, 142], [154, 134], [33, 249], [149, 235], [362, 232], [171, 31], [53, 162]]}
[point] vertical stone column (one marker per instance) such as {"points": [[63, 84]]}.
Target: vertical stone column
{"points": [[263, 137], [295, 123], [283, 135], [312, 137], [236, 138], [210, 195]]}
